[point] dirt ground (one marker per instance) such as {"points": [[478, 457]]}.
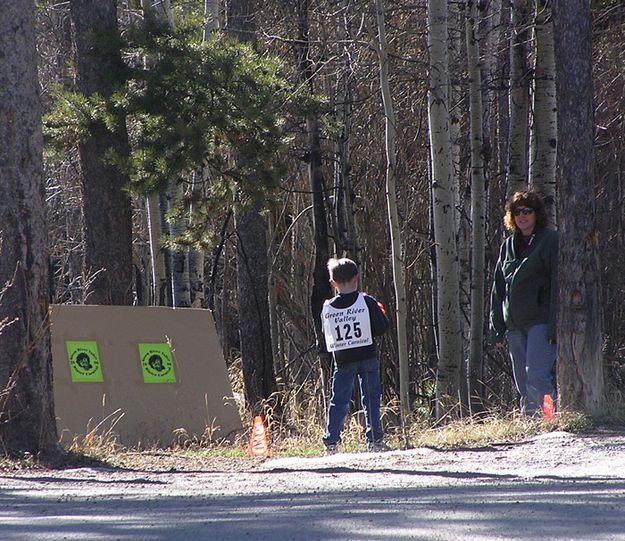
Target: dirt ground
{"points": [[599, 453], [596, 453], [557, 485]]}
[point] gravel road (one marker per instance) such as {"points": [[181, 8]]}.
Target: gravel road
{"points": [[557, 486]]}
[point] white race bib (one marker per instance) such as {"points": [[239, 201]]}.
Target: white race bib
{"points": [[347, 328]]}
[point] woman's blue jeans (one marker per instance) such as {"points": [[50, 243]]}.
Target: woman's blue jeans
{"points": [[368, 372], [532, 361]]}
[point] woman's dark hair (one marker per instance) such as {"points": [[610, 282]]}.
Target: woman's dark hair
{"points": [[342, 270], [525, 199]]}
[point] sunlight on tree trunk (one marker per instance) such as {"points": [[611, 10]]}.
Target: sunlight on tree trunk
{"points": [[176, 226], [448, 296], [478, 210], [398, 263], [580, 360], [161, 288], [211, 18], [518, 98], [27, 421], [545, 126]]}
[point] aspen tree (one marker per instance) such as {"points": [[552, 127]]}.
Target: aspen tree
{"points": [[398, 262], [156, 204], [478, 206], [448, 295], [518, 99], [542, 177]]}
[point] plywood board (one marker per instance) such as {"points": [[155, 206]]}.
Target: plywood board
{"points": [[163, 376]]}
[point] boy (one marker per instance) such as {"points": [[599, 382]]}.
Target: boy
{"points": [[350, 321]]}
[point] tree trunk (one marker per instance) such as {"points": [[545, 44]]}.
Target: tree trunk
{"points": [[346, 238], [211, 18], [161, 9], [254, 321], [196, 278], [448, 296], [478, 210], [252, 264], [398, 262], [545, 125], [106, 206], [27, 421], [180, 283], [321, 289], [197, 257], [580, 363], [490, 29], [157, 253], [518, 98], [161, 287], [175, 197], [462, 212]]}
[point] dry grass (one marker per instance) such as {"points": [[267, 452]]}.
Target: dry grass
{"points": [[300, 437], [297, 431], [478, 432]]}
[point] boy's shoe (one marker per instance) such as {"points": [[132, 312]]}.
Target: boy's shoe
{"points": [[377, 447], [331, 449]]}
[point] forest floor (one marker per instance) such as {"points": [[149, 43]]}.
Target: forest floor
{"points": [[557, 485]]}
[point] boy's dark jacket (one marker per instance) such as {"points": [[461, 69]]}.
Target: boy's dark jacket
{"points": [[379, 325], [525, 287]]}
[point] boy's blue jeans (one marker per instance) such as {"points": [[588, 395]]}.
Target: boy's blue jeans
{"points": [[532, 360], [368, 372]]}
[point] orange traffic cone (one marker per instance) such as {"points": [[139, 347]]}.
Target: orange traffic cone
{"points": [[548, 409], [259, 443]]}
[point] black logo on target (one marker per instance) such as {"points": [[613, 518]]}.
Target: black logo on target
{"points": [[156, 365], [84, 362]]}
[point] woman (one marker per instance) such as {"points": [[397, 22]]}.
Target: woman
{"points": [[524, 298]]}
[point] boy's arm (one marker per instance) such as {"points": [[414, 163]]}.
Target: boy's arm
{"points": [[379, 321]]}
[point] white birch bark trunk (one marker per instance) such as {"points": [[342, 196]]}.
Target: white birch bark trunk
{"points": [[448, 305], [462, 212], [180, 283], [518, 99], [211, 18], [157, 254], [391, 200], [545, 125], [196, 257], [478, 208], [162, 10]]}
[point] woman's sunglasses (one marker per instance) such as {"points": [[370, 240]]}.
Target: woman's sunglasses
{"points": [[523, 210]]}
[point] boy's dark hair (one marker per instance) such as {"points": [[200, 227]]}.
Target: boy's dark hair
{"points": [[525, 199], [342, 270]]}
